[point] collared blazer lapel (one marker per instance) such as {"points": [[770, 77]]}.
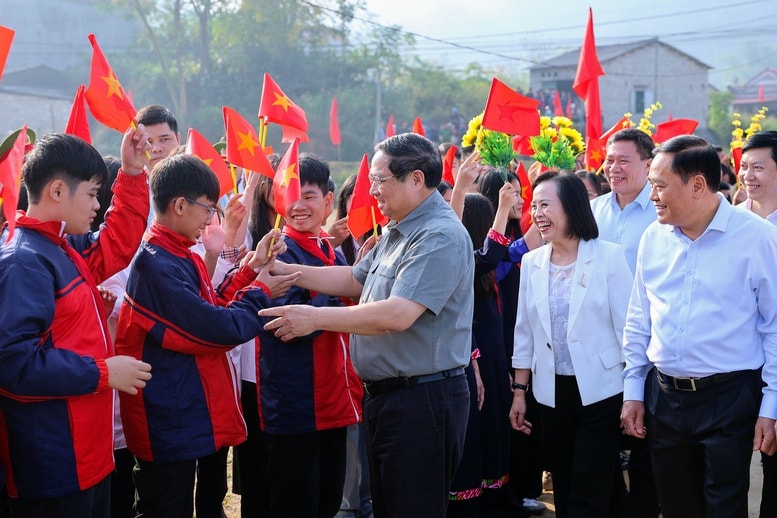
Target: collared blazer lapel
{"points": [[583, 277], [540, 279]]}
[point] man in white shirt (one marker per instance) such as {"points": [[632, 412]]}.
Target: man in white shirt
{"points": [[691, 388], [758, 171]]}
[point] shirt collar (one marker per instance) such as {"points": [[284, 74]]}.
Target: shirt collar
{"points": [[434, 203]]}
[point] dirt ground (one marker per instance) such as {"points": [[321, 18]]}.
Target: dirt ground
{"points": [[232, 502]]}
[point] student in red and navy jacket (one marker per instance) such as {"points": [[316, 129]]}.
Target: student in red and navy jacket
{"points": [[308, 390], [57, 366], [171, 318]]}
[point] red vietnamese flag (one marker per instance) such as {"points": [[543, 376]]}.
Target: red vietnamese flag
{"points": [[78, 122], [334, 123], [363, 204], [447, 165], [736, 160], [510, 112], [558, 110], [243, 148], [390, 130], [286, 184], [10, 176], [279, 109], [105, 96], [6, 38], [200, 147], [527, 193], [586, 85], [761, 96], [418, 126], [522, 145], [569, 108], [672, 128]]}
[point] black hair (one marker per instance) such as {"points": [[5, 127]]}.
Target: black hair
{"points": [[314, 170], [477, 217], [105, 194], [443, 187], [346, 191], [157, 114], [574, 200], [591, 177], [642, 141], [64, 157], [762, 139], [407, 152], [445, 146], [182, 176], [692, 155], [489, 185], [262, 216]]}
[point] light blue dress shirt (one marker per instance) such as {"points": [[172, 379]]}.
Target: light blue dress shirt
{"points": [[689, 316], [624, 227]]}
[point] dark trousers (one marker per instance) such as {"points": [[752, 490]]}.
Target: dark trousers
{"points": [[701, 445], [166, 489], [306, 474], [582, 445], [122, 486], [211, 484], [415, 437], [250, 459], [769, 489], [94, 502]]}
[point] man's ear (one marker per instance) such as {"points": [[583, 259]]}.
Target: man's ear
{"points": [[329, 198], [56, 190]]}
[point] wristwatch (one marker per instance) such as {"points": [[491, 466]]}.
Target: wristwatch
{"points": [[520, 386]]}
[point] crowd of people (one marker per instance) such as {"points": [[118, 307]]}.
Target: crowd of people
{"points": [[435, 368]]}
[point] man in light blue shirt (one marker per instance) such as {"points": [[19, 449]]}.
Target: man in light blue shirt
{"points": [[625, 212], [758, 172], [699, 346]]}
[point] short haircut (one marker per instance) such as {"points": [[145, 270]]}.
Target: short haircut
{"points": [[642, 141], [157, 114], [762, 139], [64, 157], [182, 176], [409, 151], [314, 170], [444, 187], [574, 200], [692, 155]]}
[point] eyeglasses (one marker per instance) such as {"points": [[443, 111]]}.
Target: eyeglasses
{"points": [[211, 210], [380, 180]]}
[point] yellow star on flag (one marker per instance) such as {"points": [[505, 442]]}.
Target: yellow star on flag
{"points": [[289, 173], [596, 155], [114, 87], [282, 101], [525, 192], [207, 161], [247, 142]]}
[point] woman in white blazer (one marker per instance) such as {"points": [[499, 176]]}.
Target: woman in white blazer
{"points": [[572, 305]]}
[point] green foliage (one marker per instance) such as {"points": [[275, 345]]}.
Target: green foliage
{"points": [[719, 116], [198, 55]]}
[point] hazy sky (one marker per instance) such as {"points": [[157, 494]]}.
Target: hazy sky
{"points": [[536, 30]]}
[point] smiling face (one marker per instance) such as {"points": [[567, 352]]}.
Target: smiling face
{"points": [[79, 206], [308, 213], [625, 170], [758, 173], [672, 197], [515, 212], [390, 192], [547, 212], [194, 216]]}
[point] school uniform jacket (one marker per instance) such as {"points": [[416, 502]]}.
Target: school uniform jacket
{"points": [[597, 313], [56, 410], [190, 407], [307, 384]]}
